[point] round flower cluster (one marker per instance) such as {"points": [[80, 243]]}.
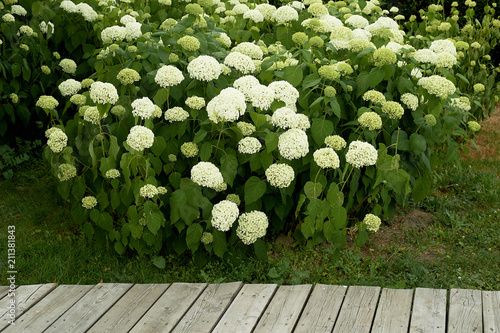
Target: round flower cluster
{"points": [[240, 62], [426, 56], [416, 73], [430, 120], [66, 172], [45, 70], [261, 96], [300, 38], [207, 174], [103, 93], [112, 174], [204, 68], [443, 45], [148, 191], [133, 31], [252, 226], [234, 198], [328, 72], [393, 109], [463, 103], [357, 21], [374, 96], [47, 102], [384, 56], [8, 18], [143, 107], [89, 202], [316, 41], [437, 85], [26, 30], [330, 91], [128, 76], [340, 37], [473, 126], [285, 14], [479, 87], [285, 92], [249, 145], [161, 190], [224, 214], [194, 9], [78, 99], [118, 110], [195, 102], [250, 49], [125, 19], [140, 138], [176, 114], [14, 97], [266, 10], [168, 76], [92, 115], [326, 158], [189, 43], [372, 222], [361, 154], [410, 100], [229, 105], [446, 60], [69, 87], [189, 149], [280, 175], [246, 128], [224, 40], [254, 15], [293, 144], [300, 121], [317, 9], [207, 238], [282, 117], [343, 68], [336, 142], [370, 120], [18, 10], [57, 139], [245, 84], [88, 13], [87, 83], [113, 33]]}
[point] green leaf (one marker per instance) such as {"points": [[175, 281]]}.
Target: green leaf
{"points": [[422, 187], [220, 244], [401, 138], [404, 85], [260, 249], [254, 189], [320, 129], [115, 199], [159, 262], [106, 222], [361, 238], [199, 136], [312, 80], [205, 151], [334, 196], [376, 76], [154, 222], [272, 139], [160, 97], [338, 216], [337, 111], [313, 190], [229, 168], [193, 236], [158, 146], [258, 119], [293, 75], [95, 215], [88, 229], [307, 227], [417, 143]]}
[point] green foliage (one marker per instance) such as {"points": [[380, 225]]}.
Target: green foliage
{"points": [[11, 158]]}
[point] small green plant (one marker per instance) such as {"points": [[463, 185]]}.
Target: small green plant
{"points": [[11, 158]]}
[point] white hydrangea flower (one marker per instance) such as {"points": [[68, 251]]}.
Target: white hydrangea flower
{"points": [[68, 66], [293, 144], [204, 68], [168, 76], [18, 10], [240, 9], [89, 202], [393, 109], [224, 39], [228, 106], [125, 19], [92, 115], [261, 96], [103, 93], [326, 158], [370, 120], [280, 175], [266, 10], [140, 138], [47, 102], [374, 96], [426, 56], [416, 73], [285, 14], [446, 60], [112, 173], [252, 226], [8, 18], [69, 87], [207, 174], [68, 6], [300, 121], [285, 92], [372, 222], [335, 142], [148, 191], [283, 117], [114, 33], [443, 45], [340, 37], [410, 100], [66, 171], [437, 85], [88, 13], [143, 107], [224, 214], [133, 31], [57, 139], [246, 128], [195, 102], [176, 114], [249, 145], [245, 85], [250, 49], [240, 62], [357, 21], [463, 103], [254, 15], [361, 154]]}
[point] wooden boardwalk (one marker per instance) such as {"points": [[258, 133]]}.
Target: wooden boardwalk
{"points": [[239, 308]]}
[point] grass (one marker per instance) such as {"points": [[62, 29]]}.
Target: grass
{"points": [[447, 241]]}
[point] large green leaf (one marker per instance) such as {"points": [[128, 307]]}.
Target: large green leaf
{"points": [[417, 143], [159, 145], [313, 190], [254, 189], [193, 236], [229, 168], [320, 129], [220, 243], [293, 75]]}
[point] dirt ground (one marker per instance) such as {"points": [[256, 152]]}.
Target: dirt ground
{"points": [[488, 148]]}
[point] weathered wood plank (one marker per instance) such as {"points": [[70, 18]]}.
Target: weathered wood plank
{"points": [[321, 309], [84, 313], [284, 310], [465, 312], [208, 308], [169, 308], [26, 297], [393, 311], [246, 309], [491, 311], [129, 309], [429, 311], [48, 309], [357, 311], [3, 291]]}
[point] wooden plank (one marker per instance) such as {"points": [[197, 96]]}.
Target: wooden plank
{"points": [[321, 309], [26, 297], [491, 311], [246, 309], [84, 313], [358, 309], [3, 291], [169, 308], [284, 309], [465, 313], [393, 311], [209, 308], [48, 309], [429, 311], [129, 309]]}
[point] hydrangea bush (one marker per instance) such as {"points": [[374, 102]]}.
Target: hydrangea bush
{"points": [[208, 126]]}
